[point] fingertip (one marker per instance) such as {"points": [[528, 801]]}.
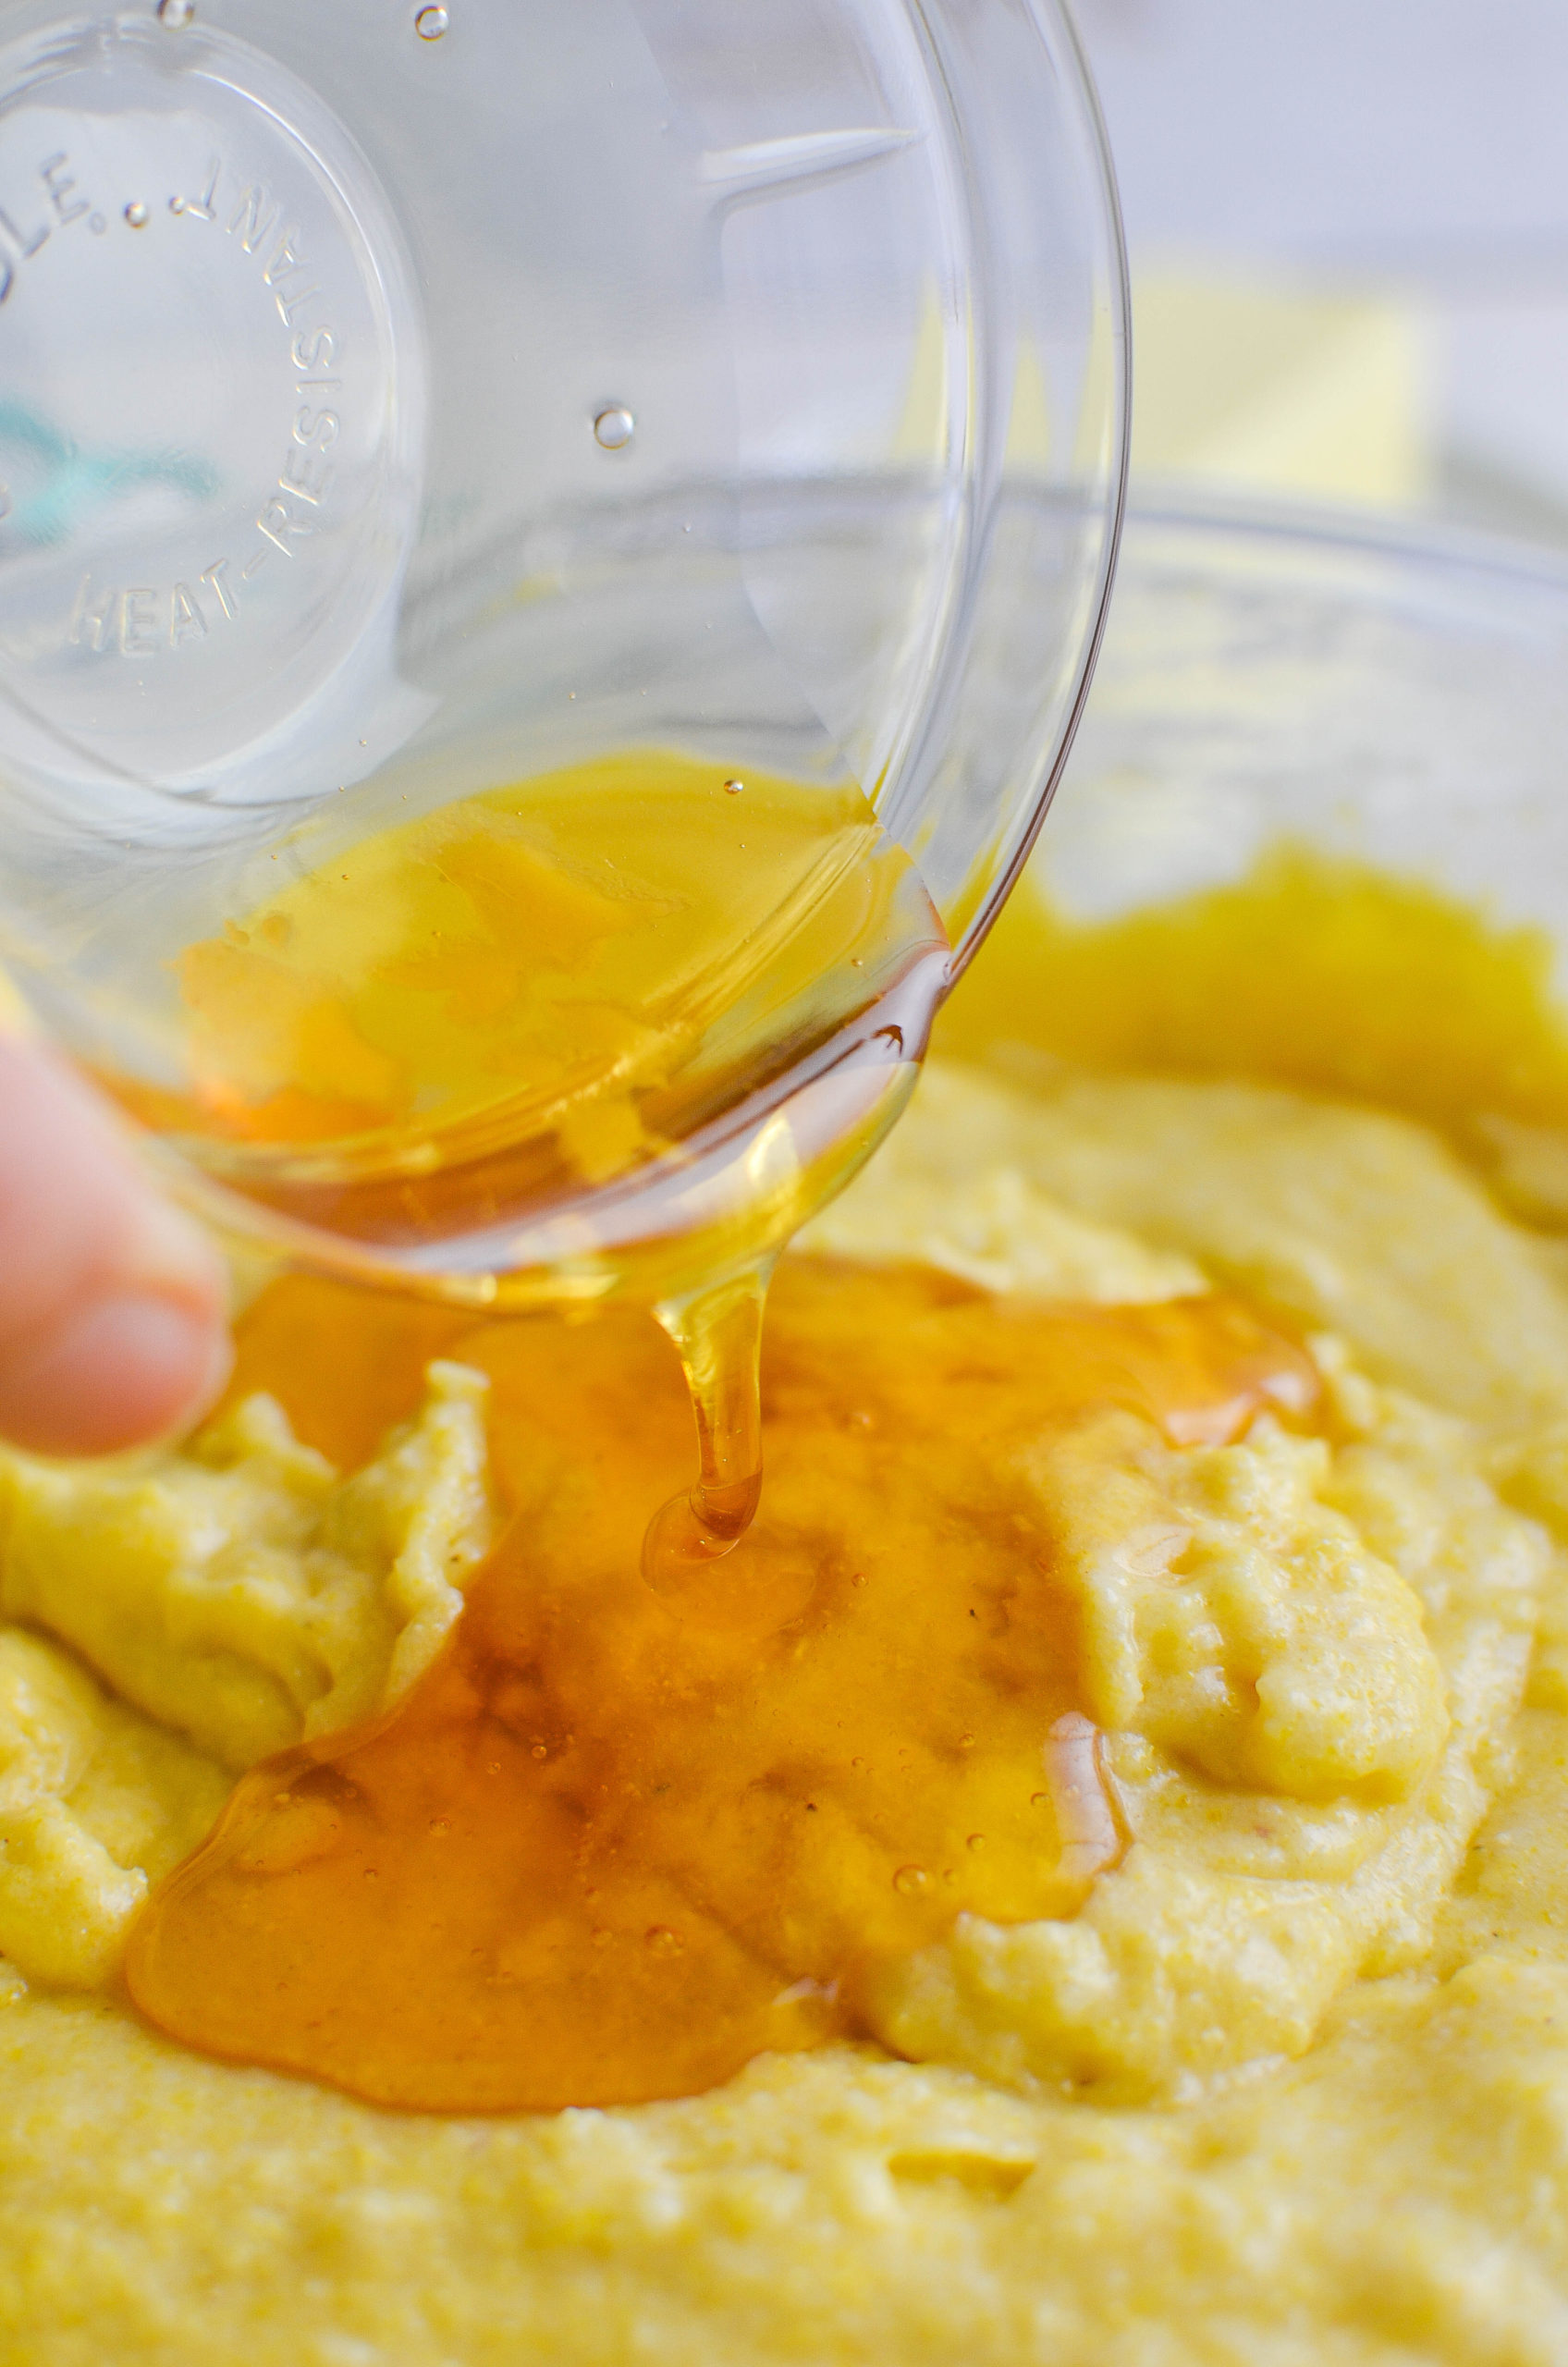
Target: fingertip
{"points": [[113, 1302], [123, 1371]]}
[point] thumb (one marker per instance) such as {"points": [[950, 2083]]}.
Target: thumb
{"points": [[112, 1304]]}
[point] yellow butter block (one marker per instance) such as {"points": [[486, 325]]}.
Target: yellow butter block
{"points": [[1310, 394]]}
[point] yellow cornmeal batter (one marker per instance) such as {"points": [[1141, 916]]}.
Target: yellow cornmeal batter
{"points": [[1291, 2088]]}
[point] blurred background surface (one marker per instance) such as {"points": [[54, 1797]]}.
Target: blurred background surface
{"points": [[1348, 223]]}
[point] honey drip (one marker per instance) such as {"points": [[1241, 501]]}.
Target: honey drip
{"points": [[613, 1845], [718, 1335]]}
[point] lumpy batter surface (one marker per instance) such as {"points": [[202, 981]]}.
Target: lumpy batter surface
{"points": [[1274, 2069]]}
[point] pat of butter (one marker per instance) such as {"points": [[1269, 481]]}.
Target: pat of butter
{"points": [[1278, 389]]}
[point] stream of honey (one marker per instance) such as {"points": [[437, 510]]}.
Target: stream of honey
{"points": [[613, 1846]]}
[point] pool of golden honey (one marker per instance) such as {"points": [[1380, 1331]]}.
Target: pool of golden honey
{"points": [[608, 1851]]}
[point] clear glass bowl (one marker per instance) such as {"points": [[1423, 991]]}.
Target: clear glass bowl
{"points": [[1396, 698], [403, 399]]}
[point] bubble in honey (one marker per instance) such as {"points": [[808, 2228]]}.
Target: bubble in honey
{"points": [[614, 429], [912, 1881], [733, 788], [977, 1843], [177, 14], [663, 1940], [430, 23], [136, 214], [304, 1830]]}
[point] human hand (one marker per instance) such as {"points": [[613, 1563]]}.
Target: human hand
{"points": [[112, 1305]]}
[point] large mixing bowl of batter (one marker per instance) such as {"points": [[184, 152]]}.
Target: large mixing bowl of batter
{"points": [[1097, 1897]]}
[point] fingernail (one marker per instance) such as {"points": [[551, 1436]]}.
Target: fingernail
{"points": [[129, 1369]]}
